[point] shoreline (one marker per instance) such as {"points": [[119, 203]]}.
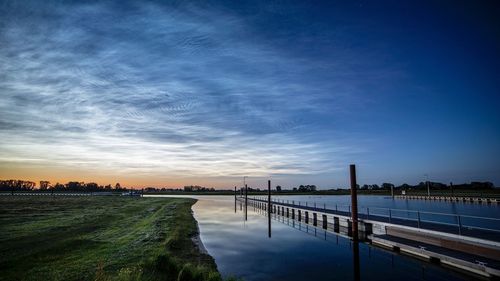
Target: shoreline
{"points": [[197, 237]]}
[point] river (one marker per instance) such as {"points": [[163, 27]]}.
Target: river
{"points": [[298, 252]]}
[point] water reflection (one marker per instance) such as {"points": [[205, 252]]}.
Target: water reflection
{"points": [[296, 251], [269, 223], [355, 261]]}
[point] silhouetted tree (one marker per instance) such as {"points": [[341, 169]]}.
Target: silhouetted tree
{"points": [[404, 186], [388, 186], [44, 185], [74, 185]]}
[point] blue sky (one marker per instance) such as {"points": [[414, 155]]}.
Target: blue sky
{"points": [[168, 93]]}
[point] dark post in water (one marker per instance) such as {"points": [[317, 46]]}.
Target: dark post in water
{"points": [[269, 207], [355, 261], [246, 202], [354, 203], [235, 199]]}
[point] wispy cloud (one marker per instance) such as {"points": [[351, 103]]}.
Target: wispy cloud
{"points": [[162, 91]]}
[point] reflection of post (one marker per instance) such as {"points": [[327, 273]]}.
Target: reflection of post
{"points": [[269, 207], [246, 202], [235, 199], [354, 203], [355, 261]]}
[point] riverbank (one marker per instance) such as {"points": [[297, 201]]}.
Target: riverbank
{"points": [[101, 238]]}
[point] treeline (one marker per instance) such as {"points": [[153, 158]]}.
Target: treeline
{"points": [[22, 185], [389, 186], [305, 188], [17, 185], [431, 185], [191, 188], [187, 188]]}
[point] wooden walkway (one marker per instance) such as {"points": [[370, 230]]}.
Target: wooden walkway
{"points": [[459, 228]]}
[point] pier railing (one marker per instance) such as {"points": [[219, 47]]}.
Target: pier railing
{"points": [[448, 193]]}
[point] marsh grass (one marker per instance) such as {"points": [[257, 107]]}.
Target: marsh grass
{"points": [[100, 238]]}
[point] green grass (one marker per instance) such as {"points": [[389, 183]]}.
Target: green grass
{"points": [[100, 238]]}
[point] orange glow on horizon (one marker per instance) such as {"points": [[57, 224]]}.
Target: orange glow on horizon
{"points": [[128, 181]]}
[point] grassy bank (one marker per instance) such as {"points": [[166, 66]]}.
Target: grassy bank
{"points": [[100, 238]]}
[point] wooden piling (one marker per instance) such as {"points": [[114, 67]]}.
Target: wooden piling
{"points": [[246, 202], [269, 207], [354, 202]]}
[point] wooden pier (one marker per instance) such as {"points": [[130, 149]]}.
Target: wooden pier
{"points": [[464, 199], [467, 243]]}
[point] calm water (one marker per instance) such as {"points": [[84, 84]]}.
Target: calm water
{"points": [[482, 210], [299, 252]]}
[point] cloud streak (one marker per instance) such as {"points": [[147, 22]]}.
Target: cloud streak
{"points": [[156, 91]]}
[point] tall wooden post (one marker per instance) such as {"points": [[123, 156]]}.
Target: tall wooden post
{"points": [[354, 202], [235, 199], [246, 202], [269, 207]]}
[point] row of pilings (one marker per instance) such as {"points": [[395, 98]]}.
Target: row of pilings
{"points": [[269, 207]]}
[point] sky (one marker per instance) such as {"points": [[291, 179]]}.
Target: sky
{"points": [[174, 93]]}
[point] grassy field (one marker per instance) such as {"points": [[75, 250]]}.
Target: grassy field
{"points": [[100, 238]]}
